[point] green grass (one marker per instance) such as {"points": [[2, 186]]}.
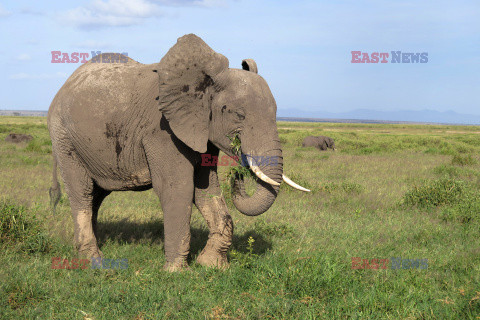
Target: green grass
{"points": [[464, 160], [389, 191], [436, 193], [20, 229]]}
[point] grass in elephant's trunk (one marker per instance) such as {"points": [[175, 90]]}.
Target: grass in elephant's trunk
{"points": [[245, 174], [239, 171], [252, 196]]}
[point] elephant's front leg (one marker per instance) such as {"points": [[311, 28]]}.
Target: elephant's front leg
{"points": [[172, 181], [177, 211], [210, 202], [176, 197]]}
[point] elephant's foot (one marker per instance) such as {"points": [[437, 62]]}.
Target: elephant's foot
{"points": [[210, 257], [89, 251], [179, 264]]}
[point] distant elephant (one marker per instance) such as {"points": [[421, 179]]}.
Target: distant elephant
{"points": [[18, 137], [130, 126], [319, 142]]}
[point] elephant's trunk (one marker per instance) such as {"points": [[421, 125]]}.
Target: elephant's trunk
{"points": [[270, 163]]}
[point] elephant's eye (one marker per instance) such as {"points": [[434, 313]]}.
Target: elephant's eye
{"points": [[237, 112]]}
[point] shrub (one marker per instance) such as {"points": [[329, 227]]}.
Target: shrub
{"points": [[245, 260], [468, 210], [436, 193], [39, 145], [447, 170], [19, 226], [463, 160], [444, 150], [14, 222], [352, 187]]}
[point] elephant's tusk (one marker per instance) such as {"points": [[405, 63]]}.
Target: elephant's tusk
{"points": [[262, 176], [293, 184]]}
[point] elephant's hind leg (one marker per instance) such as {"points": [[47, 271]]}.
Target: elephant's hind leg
{"points": [[210, 202], [99, 195], [82, 195]]}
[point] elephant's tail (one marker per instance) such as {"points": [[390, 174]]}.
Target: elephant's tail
{"points": [[54, 191]]}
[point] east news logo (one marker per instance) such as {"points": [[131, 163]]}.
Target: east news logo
{"points": [[396, 57], [82, 57], [97, 263]]}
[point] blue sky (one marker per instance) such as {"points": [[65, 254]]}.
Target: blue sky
{"points": [[302, 48]]}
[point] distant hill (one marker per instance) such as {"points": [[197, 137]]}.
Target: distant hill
{"points": [[23, 113], [332, 120], [355, 116], [367, 115]]}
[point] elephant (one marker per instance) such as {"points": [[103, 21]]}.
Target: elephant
{"points": [[319, 142], [132, 126], [18, 137]]}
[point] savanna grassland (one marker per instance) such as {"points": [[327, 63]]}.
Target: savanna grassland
{"points": [[389, 191]]}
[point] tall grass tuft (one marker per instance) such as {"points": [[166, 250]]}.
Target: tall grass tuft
{"points": [[436, 193], [465, 160], [18, 226], [466, 211], [459, 200], [39, 146]]}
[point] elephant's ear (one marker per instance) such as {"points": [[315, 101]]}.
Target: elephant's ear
{"points": [[185, 73], [249, 65]]}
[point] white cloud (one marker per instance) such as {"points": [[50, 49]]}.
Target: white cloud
{"points": [[110, 13], [24, 57], [189, 3], [41, 76], [210, 3], [121, 13], [32, 11], [125, 8], [4, 12]]}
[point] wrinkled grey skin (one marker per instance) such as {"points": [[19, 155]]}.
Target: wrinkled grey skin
{"points": [[130, 126], [319, 142]]}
